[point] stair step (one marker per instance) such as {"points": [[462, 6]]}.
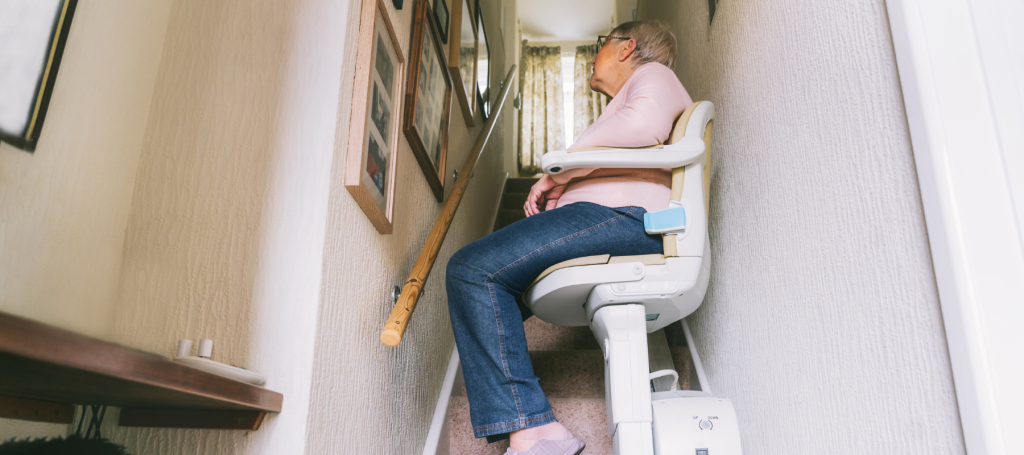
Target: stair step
{"points": [[543, 336], [562, 374], [585, 417], [519, 185], [507, 217], [570, 374], [580, 374], [573, 382], [514, 201]]}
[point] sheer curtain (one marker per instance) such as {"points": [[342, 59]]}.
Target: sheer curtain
{"points": [[541, 117], [588, 104]]}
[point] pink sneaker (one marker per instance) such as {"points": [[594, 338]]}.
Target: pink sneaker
{"points": [[571, 446]]}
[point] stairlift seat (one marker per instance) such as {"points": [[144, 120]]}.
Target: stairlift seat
{"points": [[625, 298], [568, 293], [646, 259]]}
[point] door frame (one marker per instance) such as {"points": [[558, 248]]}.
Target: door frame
{"points": [[962, 74]]}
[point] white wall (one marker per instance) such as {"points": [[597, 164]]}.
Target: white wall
{"points": [[514, 38], [63, 209], [822, 321], [624, 11], [205, 202], [961, 65], [369, 398], [225, 235]]}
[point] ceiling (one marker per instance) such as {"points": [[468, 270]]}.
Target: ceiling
{"points": [[565, 20]]}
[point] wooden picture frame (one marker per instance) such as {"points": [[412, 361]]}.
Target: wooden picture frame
{"points": [[462, 53], [443, 18], [483, 67], [372, 156], [428, 99], [25, 96]]}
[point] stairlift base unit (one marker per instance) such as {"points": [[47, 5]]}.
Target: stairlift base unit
{"points": [[695, 425], [644, 422]]}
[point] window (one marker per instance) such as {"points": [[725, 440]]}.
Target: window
{"points": [[568, 60]]}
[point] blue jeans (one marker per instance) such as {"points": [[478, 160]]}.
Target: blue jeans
{"points": [[484, 282]]}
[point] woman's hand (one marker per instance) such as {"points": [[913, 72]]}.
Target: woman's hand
{"points": [[546, 191]]}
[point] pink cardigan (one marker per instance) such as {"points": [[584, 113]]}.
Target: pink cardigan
{"points": [[641, 114]]}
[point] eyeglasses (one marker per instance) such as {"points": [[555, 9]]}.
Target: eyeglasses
{"points": [[603, 39]]}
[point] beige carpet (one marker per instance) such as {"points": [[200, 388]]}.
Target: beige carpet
{"points": [[570, 366]]}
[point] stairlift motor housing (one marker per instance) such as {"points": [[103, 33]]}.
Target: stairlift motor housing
{"points": [[695, 425], [668, 422]]}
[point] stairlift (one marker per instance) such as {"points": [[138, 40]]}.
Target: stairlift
{"points": [[627, 300]]}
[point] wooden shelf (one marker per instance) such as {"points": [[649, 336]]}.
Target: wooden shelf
{"points": [[41, 362]]}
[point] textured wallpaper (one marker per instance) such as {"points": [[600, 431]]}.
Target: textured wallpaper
{"points": [[822, 321], [225, 238], [189, 186], [369, 398], [821, 324], [241, 231], [63, 209]]}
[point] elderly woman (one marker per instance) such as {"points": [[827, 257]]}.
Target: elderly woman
{"points": [[588, 212]]}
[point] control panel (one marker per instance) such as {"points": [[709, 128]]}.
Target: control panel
{"points": [[695, 425]]}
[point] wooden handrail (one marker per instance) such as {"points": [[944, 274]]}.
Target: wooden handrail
{"points": [[400, 315]]}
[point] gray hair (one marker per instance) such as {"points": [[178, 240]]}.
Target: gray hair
{"points": [[654, 41]]}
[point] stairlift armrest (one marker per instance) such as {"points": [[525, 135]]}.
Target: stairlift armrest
{"points": [[687, 150]]}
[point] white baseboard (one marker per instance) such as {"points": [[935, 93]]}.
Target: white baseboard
{"points": [[437, 437]]}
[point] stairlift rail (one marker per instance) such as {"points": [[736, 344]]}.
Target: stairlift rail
{"points": [[702, 377], [395, 327]]}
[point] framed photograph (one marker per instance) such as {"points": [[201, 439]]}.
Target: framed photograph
{"points": [[373, 139], [428, 99], [462, 59], [483, 73], [442, 17], [33, 37]]}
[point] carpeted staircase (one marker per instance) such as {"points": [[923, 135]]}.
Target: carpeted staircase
{"points": [[512, 201], [568, 362]]}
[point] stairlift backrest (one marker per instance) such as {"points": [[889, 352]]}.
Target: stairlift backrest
{"points": [[691, 182], [685, 152], [695, 129], [569, 293]]}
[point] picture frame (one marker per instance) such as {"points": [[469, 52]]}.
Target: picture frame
{"points": [[372, 155], [443, 18], [32, 58], [428, 99], [462, 54], [483, 68]]}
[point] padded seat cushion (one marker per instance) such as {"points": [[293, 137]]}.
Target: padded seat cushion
{"points": [[645, 259]]}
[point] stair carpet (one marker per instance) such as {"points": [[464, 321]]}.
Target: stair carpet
{"points": [[513, 200], [567, 360], [570, 366]]}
